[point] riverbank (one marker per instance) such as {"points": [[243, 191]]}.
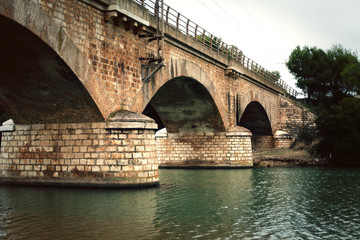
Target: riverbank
{"points": [[275, 157]]}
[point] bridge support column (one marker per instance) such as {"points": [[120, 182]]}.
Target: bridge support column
{"points": [[120, 153], [282, 139], [231, 149]]}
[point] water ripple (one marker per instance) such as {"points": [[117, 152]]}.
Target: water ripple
{"points": [[278, 203]]}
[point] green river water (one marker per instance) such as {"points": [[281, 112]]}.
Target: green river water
{"points": [[260, 203]]}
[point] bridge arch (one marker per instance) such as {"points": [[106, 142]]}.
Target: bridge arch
{"points": [[256, 120], [47, 79], [251, 97], [184, 105], [175, 71], [255, 115]]}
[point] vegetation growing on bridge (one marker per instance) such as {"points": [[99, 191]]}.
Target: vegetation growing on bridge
{"points": [[331, 79]]}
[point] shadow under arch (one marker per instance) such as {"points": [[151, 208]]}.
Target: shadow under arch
{"points": [[184, 105], [182, 69], [256, 120], [255, 96], [3, 115], [37, 86]]}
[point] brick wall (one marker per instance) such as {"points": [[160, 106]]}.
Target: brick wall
{"points": [[293, 117], [283, 142], [113, 51], [272, 141], [81, 153], [262, 142], [218, 149]]}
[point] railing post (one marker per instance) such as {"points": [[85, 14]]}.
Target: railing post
{"points": [[196, 28], [240, 56], [211, 38], [235, 53], [236, 57], [167, 14], [142, 3], [156, 9], [204, 37], [187, 27], [177, 21]]}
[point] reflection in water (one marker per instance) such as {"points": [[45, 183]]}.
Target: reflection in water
{"points": [[275, 203], [207, 203], [50, 213]]}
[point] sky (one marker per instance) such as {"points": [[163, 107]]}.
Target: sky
{"points": [[268, 30]]}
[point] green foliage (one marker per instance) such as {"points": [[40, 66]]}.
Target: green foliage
{"points": [[276, 75], [339, 130], [330, 79], [325, 76], [216, 44], [213, 42], [306, 137]]}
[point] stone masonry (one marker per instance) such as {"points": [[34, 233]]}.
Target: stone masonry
{"points": [[221, 149], [85, 154]]}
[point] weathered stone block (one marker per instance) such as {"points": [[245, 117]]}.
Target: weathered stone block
{"points": [[69, 156]]}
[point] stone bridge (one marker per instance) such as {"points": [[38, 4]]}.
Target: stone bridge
{"points": [[84, 109]]}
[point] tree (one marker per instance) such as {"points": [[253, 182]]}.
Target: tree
{"points": [[339, 129], [325, 76], [276, 75], [331, 79]]}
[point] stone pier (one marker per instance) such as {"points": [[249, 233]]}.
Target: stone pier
{"points": [[280, 139], [119, 153], [231, 149]]}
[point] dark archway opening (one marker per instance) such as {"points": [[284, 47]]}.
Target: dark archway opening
{"points": [[184, 105], [152, 113], [3, 118], [256, 120], [36, 84], [3, 115]]}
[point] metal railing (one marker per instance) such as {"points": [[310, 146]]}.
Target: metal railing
{"points": [[191, 29]]}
